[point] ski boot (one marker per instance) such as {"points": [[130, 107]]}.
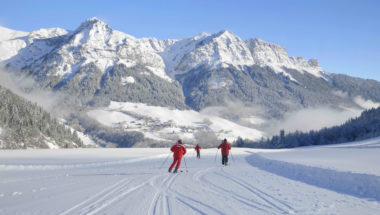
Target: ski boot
{"points": [[169, 171], [176, 170]]}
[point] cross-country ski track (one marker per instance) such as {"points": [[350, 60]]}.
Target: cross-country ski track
{"points": [[311, 180]]}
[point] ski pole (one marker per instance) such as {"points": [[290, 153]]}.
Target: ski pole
{"points": [[165, 160], [216, 155], [185, 163], [232, 156]]}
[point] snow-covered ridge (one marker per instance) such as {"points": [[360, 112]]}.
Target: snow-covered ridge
{"points": [[276, 57], [216, 50], [22, 48], [46, 34], [9, 34], [10, 43], [96, 42]]}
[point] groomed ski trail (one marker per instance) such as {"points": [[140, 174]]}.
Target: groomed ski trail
{"points": [[250, 184]]}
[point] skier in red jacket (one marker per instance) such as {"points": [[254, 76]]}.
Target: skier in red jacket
{"points": [[198, 149], [178, 150], [226, 147]]}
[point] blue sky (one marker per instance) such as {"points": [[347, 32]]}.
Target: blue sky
{"points": [[344, 35]]}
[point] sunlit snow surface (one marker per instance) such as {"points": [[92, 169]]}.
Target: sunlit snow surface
{"points": [[161, 123], [336, 179]]}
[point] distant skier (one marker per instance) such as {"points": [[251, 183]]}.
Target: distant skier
{"points": [[198, 149], [226, 147], [178, 150]]}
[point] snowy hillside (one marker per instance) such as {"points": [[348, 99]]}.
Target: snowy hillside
{"points": [[336, 179], [10, 42], [162, 123], [24, 124]]}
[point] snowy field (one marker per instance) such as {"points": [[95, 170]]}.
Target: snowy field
{"points": [[335, 179]]}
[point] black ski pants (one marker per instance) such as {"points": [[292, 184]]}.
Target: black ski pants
{"points": [[224, 160]]}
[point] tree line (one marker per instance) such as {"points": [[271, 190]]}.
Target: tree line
{"points": [[367, 125]]}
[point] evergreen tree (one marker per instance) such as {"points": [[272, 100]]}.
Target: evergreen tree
{"points": [[367, 125], [26, 125]]}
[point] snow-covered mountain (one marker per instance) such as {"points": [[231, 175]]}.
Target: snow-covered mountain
{"points": [[95, 42], [95, 65], [216, 50], [92, 42], [276, 57]]}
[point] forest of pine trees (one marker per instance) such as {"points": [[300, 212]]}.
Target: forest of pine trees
{"points": [[26, 125], [367, 125]]}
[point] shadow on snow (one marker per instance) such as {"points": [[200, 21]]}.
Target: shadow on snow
{"points": [[355, 184]]}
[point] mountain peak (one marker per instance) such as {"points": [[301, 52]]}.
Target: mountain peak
{"points": [[94, 20], [93, 23], [93, 30], [225, 33]]}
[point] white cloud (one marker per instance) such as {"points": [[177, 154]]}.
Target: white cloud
{"points": [[366, 104], [236, 111], [47, 99], [311, 119], [340, 94]]}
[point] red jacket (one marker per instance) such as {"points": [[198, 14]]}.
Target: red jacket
{"points": [[178, 150], [225, 148], [198, 148]]}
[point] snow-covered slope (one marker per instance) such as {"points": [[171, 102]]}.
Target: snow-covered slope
{"points": [[162, 123], [357, 157], [95, 42], [136, 181], [10, 42], [276, 57], [9, 34], [216, 50], [22, 48], [37, 44]]}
